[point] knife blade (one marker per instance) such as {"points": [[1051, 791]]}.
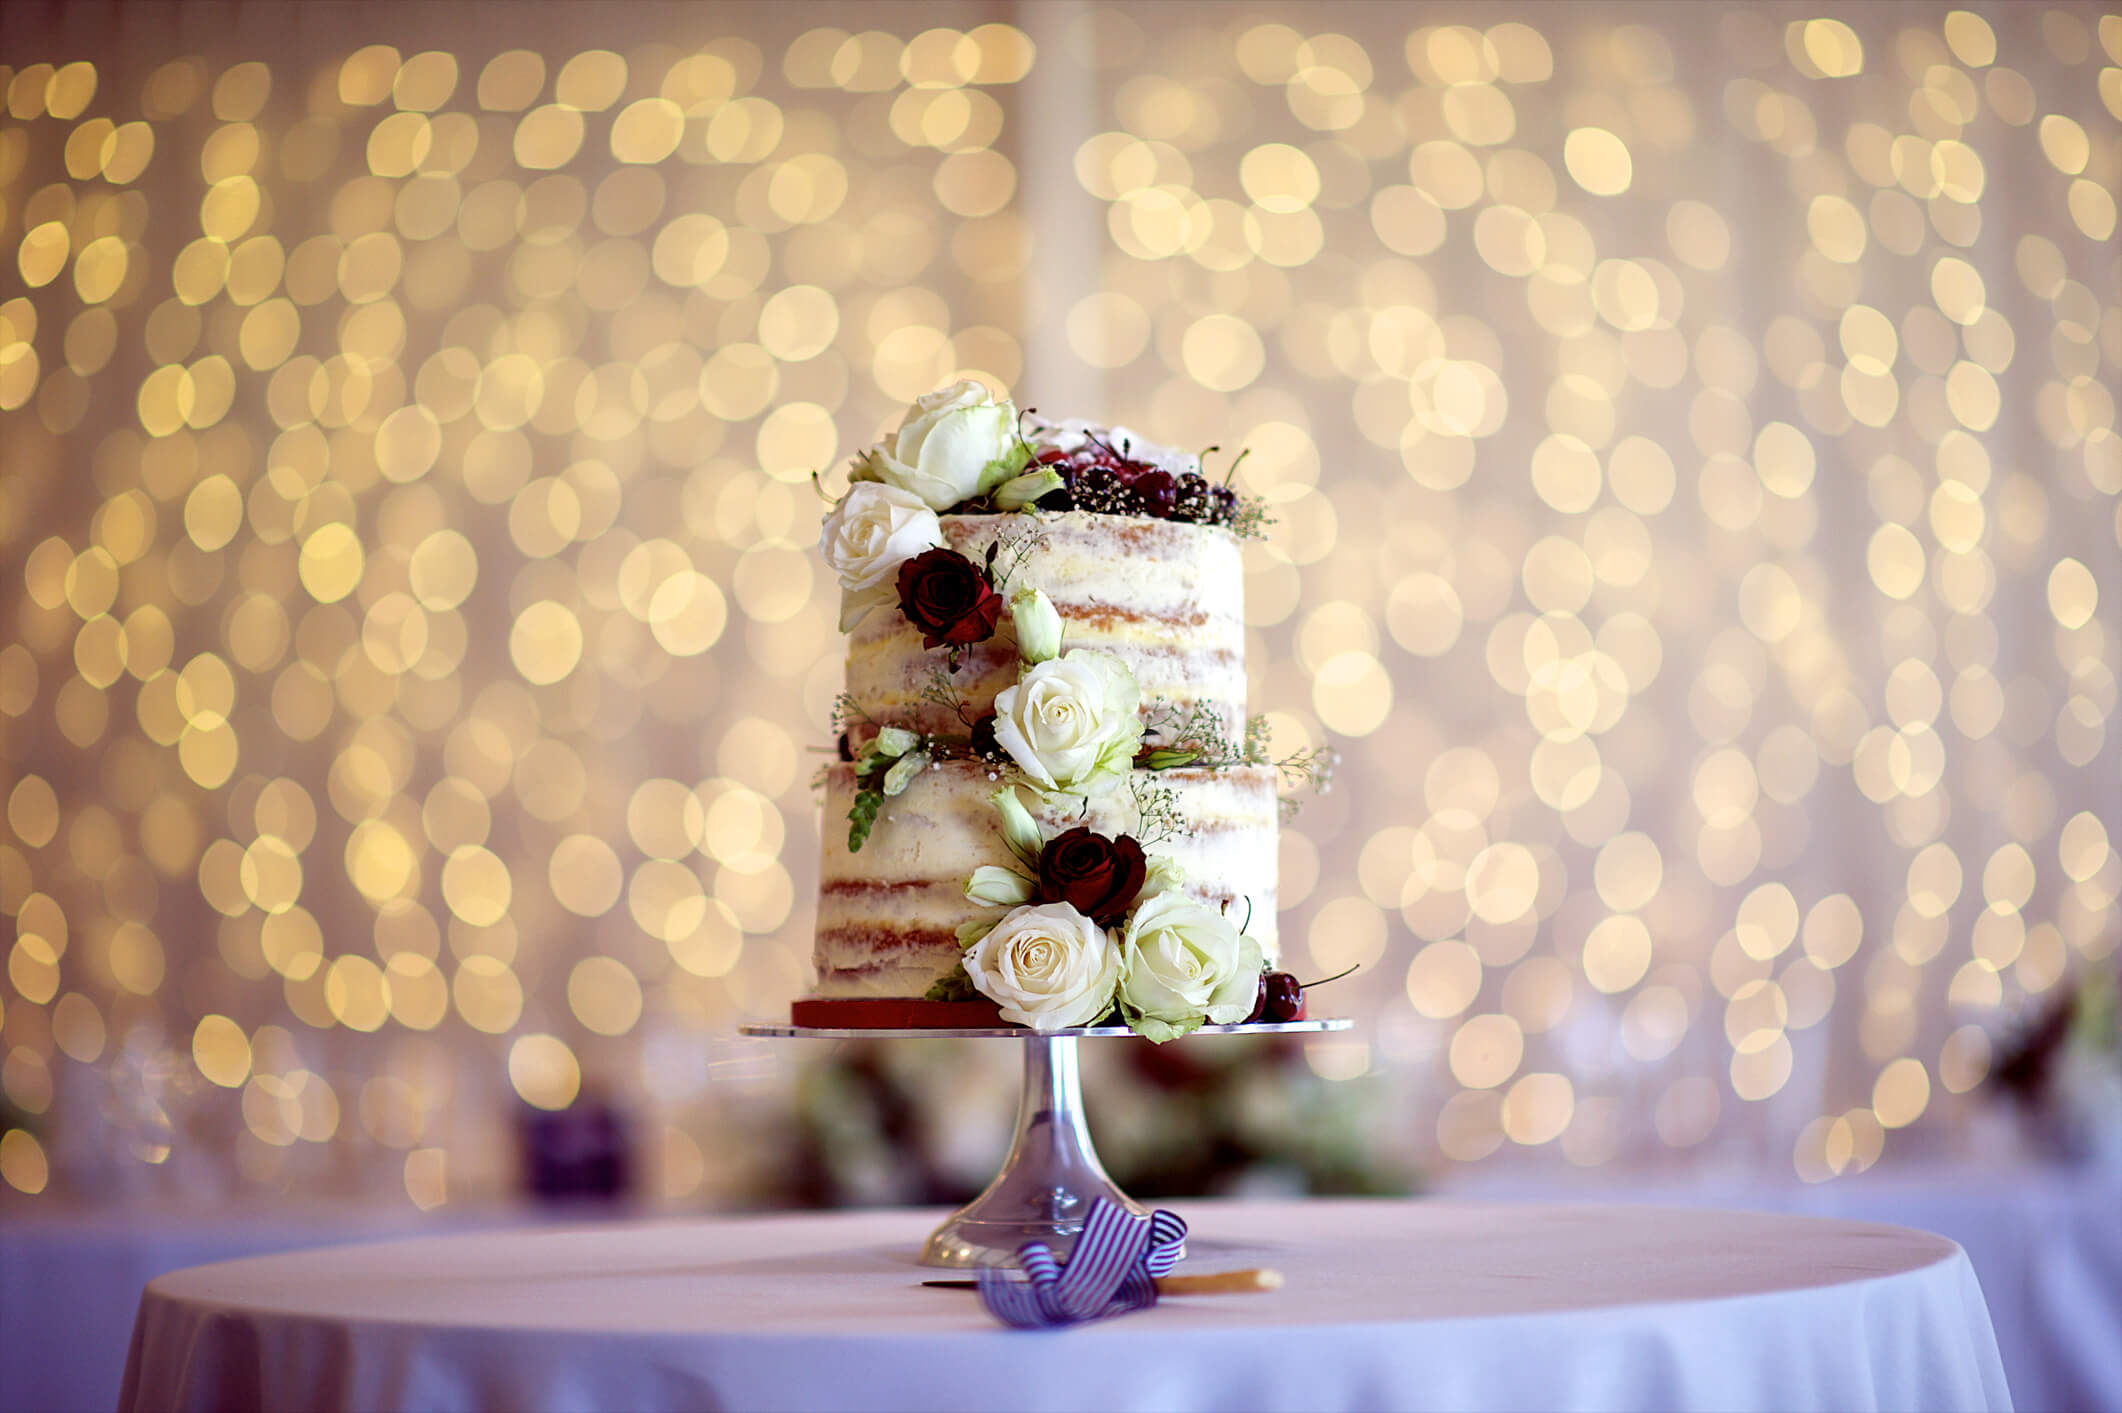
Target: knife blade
{"points": [[1258, 1278]]}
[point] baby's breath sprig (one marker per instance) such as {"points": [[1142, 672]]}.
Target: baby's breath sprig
{"points": [[1309, 769], [1156, 811], [1008, 553], [847, 712], [1194, 737], [940, 690]]}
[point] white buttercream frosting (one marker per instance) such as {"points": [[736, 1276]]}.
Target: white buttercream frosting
{"points": [[1074, 433]]}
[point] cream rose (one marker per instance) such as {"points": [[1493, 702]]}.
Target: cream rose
{"points": [[1185, 964], [954, 444], [872, 531], [1073, 722], [1046, 966]]}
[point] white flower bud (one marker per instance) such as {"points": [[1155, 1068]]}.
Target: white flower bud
{"points": [[993, 887], [1038, 625], [896, 741], [903, 772], [1019, 830]]}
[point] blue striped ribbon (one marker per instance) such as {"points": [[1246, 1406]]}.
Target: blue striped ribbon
{"points": [[1113, 1270]]}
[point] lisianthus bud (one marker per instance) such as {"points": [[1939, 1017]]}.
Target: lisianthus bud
{"points": [[998, 887], [903, 772], [896, 741], [1038, 625], [1020, 491], [1019, 831]]}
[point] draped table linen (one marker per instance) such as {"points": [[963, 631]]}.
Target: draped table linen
{"points": [[1414, 1305]]}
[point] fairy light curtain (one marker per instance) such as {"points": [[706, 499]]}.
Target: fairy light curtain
{"points": [[1691, 430]]}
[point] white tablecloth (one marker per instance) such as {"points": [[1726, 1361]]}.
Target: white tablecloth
{"points": [[2046, 1243], [70, 1281], [1415, 1305]]}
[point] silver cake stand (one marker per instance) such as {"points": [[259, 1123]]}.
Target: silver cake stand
{"points": [[1052, 1176]]}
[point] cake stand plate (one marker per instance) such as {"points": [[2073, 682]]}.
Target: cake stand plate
{"points": [[1052, 1176]]}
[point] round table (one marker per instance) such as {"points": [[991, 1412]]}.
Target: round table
{"points": [[1388, 1304]]}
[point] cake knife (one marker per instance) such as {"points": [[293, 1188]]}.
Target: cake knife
{"points": [[1216, 1283]]}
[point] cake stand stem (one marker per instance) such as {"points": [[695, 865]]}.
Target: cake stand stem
{"points": [[1049, 1180]]}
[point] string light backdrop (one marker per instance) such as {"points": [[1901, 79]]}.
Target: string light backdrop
{"points": [[1691, 433]]}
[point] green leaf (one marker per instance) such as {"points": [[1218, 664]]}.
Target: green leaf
{"points": [[1157, 1031], [862, 818], [956, 986]]}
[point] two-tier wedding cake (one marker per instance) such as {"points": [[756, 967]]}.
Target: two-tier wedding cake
{"points": [[1049, 800]]}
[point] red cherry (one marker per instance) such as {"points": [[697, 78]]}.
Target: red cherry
{"points": [[1284, 997]]}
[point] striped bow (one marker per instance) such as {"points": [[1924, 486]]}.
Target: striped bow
{"points": [[1113, 1270]]}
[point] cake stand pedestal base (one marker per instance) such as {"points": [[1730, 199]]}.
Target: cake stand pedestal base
{"points": [[1052, 1177], [1049, 1181]]}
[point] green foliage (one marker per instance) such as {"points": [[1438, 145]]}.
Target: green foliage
{"points": [[955, 987], [863, 818]]}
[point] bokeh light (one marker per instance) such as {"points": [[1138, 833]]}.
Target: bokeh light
{"points": [[415, 646]]}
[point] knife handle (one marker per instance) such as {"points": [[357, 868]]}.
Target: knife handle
{"points": [[1221, 1282]]}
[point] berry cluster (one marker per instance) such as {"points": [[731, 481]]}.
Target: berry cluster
{"points": [[1096, 477]]}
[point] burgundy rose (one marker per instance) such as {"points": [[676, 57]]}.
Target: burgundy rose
{"points": [[948, 598], [1097, 876], [985, 744]]}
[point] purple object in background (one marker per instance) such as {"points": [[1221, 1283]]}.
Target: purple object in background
{"points": [[580, 1153]]}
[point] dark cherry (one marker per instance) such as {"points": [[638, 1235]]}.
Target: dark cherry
{"points": [[847, 747], [1259, 1009], [1284, 997], [1226, 501], [984, 743], [1158, 492]]}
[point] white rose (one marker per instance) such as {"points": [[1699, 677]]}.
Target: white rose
{"points": [[955, 444], [1047, 966], [1072, 722], [872, 531], [1184, 963]]}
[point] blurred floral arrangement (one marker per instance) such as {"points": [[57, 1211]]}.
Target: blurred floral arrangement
{"points": [[2061, 1067], [914, 1121]]}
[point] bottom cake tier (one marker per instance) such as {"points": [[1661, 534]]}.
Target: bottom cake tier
{"points": [[888, 915]]}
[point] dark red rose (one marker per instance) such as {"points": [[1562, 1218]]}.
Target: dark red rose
{"points": [[985, 745], [1097, 876], [945, 595]]}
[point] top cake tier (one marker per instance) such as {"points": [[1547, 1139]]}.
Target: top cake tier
{"points": [[1165, 597]]}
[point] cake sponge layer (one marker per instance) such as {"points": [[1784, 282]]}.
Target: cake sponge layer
{"points": [[1165, 597], [888, 916]]}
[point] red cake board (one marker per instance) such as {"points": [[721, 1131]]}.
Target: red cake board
{"points": [[892, 1013]]}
